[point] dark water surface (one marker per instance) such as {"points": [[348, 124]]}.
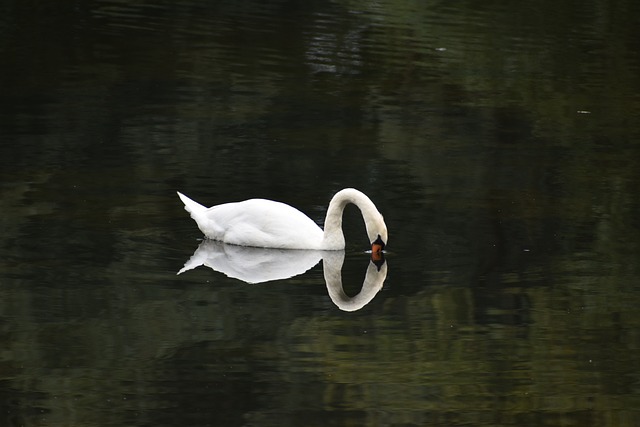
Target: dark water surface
{"points": [[499, 139]]}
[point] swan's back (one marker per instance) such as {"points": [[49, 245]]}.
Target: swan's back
{"points": [[260, 223]]}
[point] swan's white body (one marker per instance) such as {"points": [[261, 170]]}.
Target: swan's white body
{"points": [[268, 224]]}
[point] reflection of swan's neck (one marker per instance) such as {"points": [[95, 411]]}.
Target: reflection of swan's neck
{"points": [[333, 235], [373, 281]]}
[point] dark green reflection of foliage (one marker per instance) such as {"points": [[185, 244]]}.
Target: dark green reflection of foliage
{"points": [[512, 124]]}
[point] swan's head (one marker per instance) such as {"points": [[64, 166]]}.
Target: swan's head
{"points": [[378, 245], [377, 231]]}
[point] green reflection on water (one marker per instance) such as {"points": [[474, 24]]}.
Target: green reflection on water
{"points": [[498, 140], [535, 354]]}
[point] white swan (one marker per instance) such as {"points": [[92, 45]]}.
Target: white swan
{"points": [[268, 224]]}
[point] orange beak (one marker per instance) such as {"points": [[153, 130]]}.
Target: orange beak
{"points": [[376, 248], [376, 252]]}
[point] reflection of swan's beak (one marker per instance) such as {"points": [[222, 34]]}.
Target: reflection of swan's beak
{"points": [[378, 259]]}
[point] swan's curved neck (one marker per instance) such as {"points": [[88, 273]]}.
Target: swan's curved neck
{"points": [[333, 235]]}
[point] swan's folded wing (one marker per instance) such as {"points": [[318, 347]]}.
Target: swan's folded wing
{"points": [[262, 223]]}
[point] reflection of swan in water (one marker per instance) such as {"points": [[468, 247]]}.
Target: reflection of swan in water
{"points": [[252, 265], [257, 265]]}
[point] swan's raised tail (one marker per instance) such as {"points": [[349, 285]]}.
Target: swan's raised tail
{"points": [[198, 213], [191, 206]]}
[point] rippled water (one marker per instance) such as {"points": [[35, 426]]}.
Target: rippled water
{"points": [[499, 141]]}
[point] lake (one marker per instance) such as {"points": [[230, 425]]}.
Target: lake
{"points": [[500, 141]]}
